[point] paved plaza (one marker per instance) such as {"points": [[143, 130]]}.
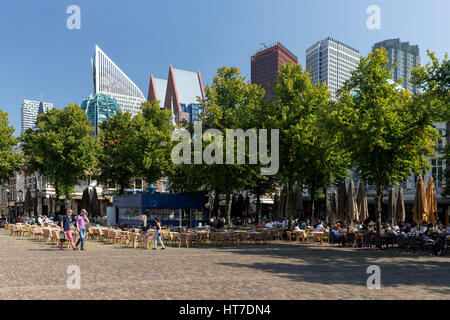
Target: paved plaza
{"points": [[30, 269]]}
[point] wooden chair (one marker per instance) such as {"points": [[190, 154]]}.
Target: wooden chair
{"points": [[290, 235], [46, 235], [325, 237], [36, 233], [232, 238], [90, 233], [367, 241], [132, 239], [266, 237], [243, 237], [219, 238]]}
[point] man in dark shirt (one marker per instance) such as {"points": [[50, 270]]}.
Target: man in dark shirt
{"points": [[64, 223]]}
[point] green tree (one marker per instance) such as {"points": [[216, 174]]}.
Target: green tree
{"points": [[115, 165], [9, 160], [137, 147], [309, 155], [387, 134], [230, 100], [62, 150], [434, 82]]}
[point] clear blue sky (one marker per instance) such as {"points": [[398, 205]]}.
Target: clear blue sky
{"points": [[39, 54]]}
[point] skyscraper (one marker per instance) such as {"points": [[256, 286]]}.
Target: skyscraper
{"points": [[110, 80], [30, 110], [266, 63], [331, 61], [405, 55]]}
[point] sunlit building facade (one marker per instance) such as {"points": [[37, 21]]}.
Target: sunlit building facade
{"points": [[332, 62], [30, 110], [109, 79]]}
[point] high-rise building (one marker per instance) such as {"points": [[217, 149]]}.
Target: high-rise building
{"points": [[405, 56], [180, 94], [30, 110], [110, 80], [99, 107], [266, 63], [331, 61]]}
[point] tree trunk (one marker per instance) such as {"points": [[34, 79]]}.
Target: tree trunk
{"points": [[378, 207], [288, 204], [228, 208], [258, 207], [327, 205], [313, 207]]}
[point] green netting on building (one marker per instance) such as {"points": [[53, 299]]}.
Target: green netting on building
{"points": [[99, 107]]}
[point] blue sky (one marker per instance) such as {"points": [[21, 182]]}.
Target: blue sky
{"points": [[39, 54]]}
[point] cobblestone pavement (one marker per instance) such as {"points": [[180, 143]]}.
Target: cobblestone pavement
{"points": [[30, 269]]}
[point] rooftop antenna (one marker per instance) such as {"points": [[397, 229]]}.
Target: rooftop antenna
{"points": [[264, 45]]}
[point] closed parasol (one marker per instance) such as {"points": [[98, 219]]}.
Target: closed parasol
{"points": [[85, 200], [420, 207], [342, 201], [352, 208], [335, 207], [400, 208], [431, 201], [391, 206], [361, 199]]}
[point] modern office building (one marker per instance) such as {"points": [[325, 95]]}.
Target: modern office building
{"points": [[266, 63], [331, 61], [30, 110], [112, 81], [99, 107], [405, 56], [180, 94]]}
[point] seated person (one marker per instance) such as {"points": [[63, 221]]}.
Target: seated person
{"points": [[297, 227], [268, 225], [320, 227]]}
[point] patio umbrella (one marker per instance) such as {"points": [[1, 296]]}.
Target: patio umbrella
{"points": [[95, 204], [363, 208], [400, 210], [29, 203], [335, 206], [420, 208], [352, 208], [342, 201], [391, 206], [85, 200], [431, 201]]}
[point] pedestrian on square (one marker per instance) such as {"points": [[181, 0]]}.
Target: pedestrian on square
{"points": [[158, 235], [81, 221], [64, 223]]}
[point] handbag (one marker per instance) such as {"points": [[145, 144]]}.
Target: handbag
{"points": [[62, 236]]}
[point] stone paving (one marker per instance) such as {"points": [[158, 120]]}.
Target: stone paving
{"points": [[30, 269]]}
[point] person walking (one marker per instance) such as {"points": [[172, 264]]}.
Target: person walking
{"points": [[81, 221], [64, 223], [158, 234]]}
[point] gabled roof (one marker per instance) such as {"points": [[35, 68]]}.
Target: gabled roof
{"points": [[188, 86]]}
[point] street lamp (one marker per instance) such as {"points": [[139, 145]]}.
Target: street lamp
{"points": [[8, 199]]}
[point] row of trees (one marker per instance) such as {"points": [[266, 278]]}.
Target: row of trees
{"points": [[374, 128]]}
